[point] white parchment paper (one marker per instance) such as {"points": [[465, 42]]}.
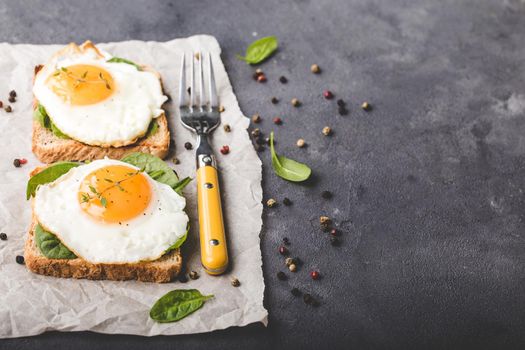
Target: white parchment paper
{"points": [[31, 304]]}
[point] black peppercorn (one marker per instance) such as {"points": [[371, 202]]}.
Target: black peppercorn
{"points": [[188, 146], [307, 298], [3, 236], [286, 240], [8, 109], [11, 99], [281, 275], [275, 100], [326, 194], [283, 80], [194, 275], [342, 111], [287, 201], [295, 292], [341, 103], [20, 259], [12, 93], [183, 278], [16, 162]]}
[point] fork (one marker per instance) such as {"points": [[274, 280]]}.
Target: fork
{"points": [[200, 114]]}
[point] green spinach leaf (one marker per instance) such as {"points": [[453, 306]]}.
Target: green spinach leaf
{"points": [[43, 118], [50, 245], [153, 127], [179, 242], [181, 184], [259, 50], [152, 164], [288, 169], [49, 174], [123, 60], [177, 304]]}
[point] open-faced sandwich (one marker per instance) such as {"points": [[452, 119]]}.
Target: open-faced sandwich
{"points": [[107, 219], [89, 104]]}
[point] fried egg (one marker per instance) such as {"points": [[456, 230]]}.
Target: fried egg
{"points": [[109, 211], [98, 102]]}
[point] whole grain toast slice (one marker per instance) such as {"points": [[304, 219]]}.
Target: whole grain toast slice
{"points": [[49, 148], [162, 270]]}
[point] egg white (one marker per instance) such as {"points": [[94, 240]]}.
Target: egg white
{"points": [[116, 121], [143, 238]]}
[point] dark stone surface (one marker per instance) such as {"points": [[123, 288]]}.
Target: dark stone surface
{"points": [[428, 187]]}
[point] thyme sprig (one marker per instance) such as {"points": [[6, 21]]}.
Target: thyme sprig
{"points": [[86, 197]]}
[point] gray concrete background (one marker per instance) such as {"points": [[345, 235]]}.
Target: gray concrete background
{"points": [[428, 186]]}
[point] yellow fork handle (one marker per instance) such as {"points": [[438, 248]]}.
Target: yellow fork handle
{"points": [[214, 253]]}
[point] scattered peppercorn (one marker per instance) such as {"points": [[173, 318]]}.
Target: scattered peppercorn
{"points": [[281, 275], [16, 162], [366, 106], [23, 161], [188, 146], [326, 194], [286, 240], [256, 132], [277, 121], [292, 267], [275, 100], [20, 259], [8, 109], [301, 143], [1, 104], [221, 109], [259, 140], [182, 278], [287, 201], [341, 103], [194, 275], [283, 250], [176, 161], [295, 292], [271, 202], [307, 298], [315, 275], [295, 102], [314, 68], [227, 128], [12, 93], [225, 149], [256, 118], [324, 220], [259, 71], [3, 236], [288, 261], [328, 94], [327, 131], [261, 78], [334, 232], [342, 110], [283, 79], [11, 99], [235, 282], [334, 241]]}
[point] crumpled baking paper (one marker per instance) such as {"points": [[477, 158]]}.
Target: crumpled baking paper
{"points": [[31, 304]]}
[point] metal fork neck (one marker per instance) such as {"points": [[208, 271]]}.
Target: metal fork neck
{"points": [[204, 152]]}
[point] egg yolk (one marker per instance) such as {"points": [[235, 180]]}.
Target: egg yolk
{"points": [[81, 84], [114, 193]]}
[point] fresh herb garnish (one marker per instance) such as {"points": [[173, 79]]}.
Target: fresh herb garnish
{"points": [[259, 50], [50, 245], [123, 60], [177, 304], [49, 174], [286, 168]]}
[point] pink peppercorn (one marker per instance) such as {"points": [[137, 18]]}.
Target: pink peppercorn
{"points": [[328, 94], [277, 121], [225, 149], [315, 275]]}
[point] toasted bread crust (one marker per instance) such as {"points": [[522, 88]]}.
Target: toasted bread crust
{"points": [[161, 270], [49, 149]]}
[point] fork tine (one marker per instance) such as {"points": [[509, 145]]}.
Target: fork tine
{"points": [[211, 85], [192, 84], [182, 84], [202, 95]]}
